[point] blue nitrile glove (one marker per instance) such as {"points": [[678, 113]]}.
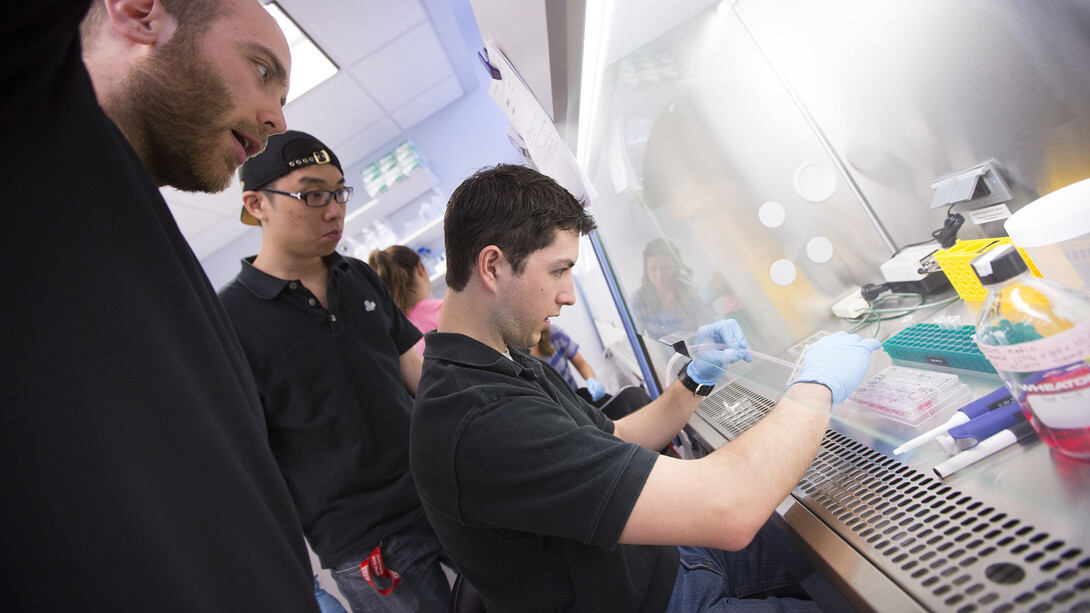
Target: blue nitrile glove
{"points": [[838, 362], [717, 345], [596, 389]]}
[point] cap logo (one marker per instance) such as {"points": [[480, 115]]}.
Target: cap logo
{"points": [[318, 157]]}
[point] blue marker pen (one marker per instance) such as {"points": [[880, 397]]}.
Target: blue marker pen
{"points": [[994, 400]]}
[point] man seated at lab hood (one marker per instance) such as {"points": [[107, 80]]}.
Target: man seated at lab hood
{"points": [[543, 503]]}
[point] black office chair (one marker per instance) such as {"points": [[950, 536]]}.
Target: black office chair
{"points": [[631, 398], [464, 598]]}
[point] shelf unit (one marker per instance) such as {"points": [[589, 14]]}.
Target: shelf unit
{"points": [[425, 234], [419, 183], [408, 192]]}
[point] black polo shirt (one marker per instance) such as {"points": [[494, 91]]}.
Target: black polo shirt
{"points": [[136, 471], [335, 402], [526, 486]]}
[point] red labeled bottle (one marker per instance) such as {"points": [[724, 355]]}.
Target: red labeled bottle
{"points": [[1036, 333]]}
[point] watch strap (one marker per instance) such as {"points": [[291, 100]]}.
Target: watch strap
{"points": [[696, 388]]}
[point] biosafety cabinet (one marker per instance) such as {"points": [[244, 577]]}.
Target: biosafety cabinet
{"points": [[762, 160]]}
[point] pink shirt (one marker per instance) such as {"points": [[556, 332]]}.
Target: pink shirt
{"points": [[425, 316]]}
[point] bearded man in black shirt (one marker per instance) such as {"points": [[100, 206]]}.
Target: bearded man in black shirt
{"points": [[137, 471]]}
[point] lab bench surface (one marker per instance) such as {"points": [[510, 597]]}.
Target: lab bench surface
{"points": [[1009, 533]]}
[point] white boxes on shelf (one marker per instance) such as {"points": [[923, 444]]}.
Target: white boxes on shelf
{"points": [[420, 183]]}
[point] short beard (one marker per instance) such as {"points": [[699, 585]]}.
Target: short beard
{"points": [[515, 332], [174, 111]]}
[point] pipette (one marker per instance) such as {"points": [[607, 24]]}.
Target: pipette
{"points": [[769, 358], [1022, 431], [969, 435], [999, 398]]}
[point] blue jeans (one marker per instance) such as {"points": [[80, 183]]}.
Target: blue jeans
{"points": [[326, 602], [757, 578], [414, 552]]}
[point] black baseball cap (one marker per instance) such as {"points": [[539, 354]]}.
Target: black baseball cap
{"points": [[285, 152]]}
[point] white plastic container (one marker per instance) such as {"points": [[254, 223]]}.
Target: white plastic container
{"points": [[1055, 232]]}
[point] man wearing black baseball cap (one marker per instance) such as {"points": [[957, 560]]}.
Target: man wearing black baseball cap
{"points": [[335, 367]]}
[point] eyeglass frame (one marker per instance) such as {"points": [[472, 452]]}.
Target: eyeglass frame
{"points": [[302, 196]]}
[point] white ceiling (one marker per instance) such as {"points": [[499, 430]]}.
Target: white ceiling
{"points": [[399, 61]]}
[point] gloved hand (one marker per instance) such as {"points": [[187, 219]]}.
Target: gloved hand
{"points": [[717, 345], [838, 362], [596, 389]]}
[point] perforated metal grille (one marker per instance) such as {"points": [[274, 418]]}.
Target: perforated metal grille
{"points": [[946, 550]]}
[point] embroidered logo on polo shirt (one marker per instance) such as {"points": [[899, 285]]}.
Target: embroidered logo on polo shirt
{"points": [[370, 306]]}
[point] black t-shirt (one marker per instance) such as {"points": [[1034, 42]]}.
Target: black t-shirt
{"points": [[526, 486], [335, 402], [136, 471]]}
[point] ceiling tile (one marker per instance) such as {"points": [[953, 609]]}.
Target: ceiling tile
{"points": [[207, 221], [222, 233], [353, 151], [350, 30], [332, 111], [193, 221], [413, 63], [220, 204], [427, 103]]}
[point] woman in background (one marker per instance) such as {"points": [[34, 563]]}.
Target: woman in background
{"points": [[667, 303], [560, 351], [404, 274]]}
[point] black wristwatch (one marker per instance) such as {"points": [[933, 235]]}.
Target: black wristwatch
{"points": [[694, 387]]}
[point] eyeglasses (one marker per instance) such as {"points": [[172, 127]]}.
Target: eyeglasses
{"points": [[317, 198]]}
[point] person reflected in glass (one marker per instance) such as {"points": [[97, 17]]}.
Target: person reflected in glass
{"points": [[667, 302]]}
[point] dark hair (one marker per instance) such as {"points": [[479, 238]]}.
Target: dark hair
{"points": [[661, 246], [515, 208], [396, 266], [192, 16]]}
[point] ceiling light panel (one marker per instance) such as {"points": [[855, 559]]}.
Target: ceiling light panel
{"points": [[309, 64]]}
